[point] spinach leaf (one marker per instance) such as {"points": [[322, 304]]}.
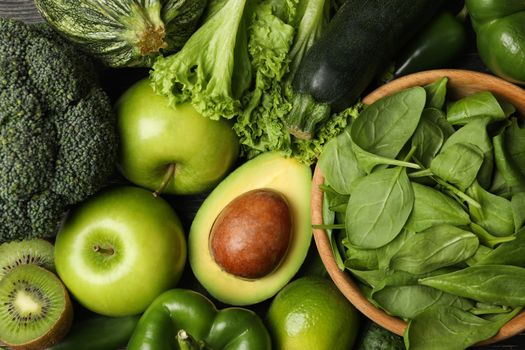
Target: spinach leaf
{"points": [[507, 166], [496, 284], [436, 93], [487, 238], [515, 143], [499, 186], [476, 106], [458, 164], [428, 137], [373, 278], [328, 219], [359, 258], [475, 133], [495, 213], [518, 210], [335, 201], [409, 301], [368, 161], [379, 208], [385, 126], [338, 163], [508, 253], [433, 207], [451, 328], [488, 309], [379, 279], [372, 259], [437, 247], [480, 254]]}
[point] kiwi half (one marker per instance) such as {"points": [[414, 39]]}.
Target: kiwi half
{"points": [[35, 308], [33, 251]]}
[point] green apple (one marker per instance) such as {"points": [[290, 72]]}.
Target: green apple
{"points": [[174, 150], [119, 250]]}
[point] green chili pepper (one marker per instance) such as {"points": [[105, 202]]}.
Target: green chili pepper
{"points": [[184, 319], [436, 46], [99, 333], [500, 36]]}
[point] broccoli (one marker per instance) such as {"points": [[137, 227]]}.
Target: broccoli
{"points": [[58, 142]]}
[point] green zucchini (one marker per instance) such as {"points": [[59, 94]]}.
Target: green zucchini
{"points": [[359, 42], [124, 32]]}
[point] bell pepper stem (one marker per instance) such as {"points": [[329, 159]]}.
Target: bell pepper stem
{"points": [[187, 342]]}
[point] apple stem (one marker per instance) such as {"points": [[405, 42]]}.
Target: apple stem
{"points": [[170, 173], [108, 251]]}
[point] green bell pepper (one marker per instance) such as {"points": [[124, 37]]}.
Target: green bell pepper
{"points": [[434, 47], [500, 36], [185, 319]]}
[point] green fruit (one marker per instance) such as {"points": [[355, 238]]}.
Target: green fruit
{"points": [[35, 309], [174, 150], [33, 251], [275, 173], [311, 313], [119, 250]]}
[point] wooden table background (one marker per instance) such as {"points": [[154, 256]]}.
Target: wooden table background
{"points": [[25, 10]]}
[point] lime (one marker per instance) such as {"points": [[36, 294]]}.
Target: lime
{"points": [[311, 313]]}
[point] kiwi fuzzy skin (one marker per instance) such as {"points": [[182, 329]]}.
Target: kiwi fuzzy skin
{"points": [[56, 333]]}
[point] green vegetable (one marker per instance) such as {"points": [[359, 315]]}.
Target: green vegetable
{"points": [[509, 160], [451, 328], [339, 164], [458, 164], [58, 142], [500, 34], [439, 246], [124, 33], [436, 93], [498, 284], [184, 319], [384, 127], [409, 301], [429, 136], [479, 105], [495, 214], [214, 75], [99, 333], [433, 207], [259, 45], [379, 208], [507, 253], [358, 42], [440, 42], [464, 228], [375, 337]]}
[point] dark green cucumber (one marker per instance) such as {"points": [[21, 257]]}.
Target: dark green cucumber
{"points": [[358, 43], [99, 333], [124, 32]]}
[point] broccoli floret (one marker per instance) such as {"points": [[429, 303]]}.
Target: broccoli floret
{"points": [[58, 142]]}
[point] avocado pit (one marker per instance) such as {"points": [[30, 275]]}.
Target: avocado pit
{"points": [[251, 235]]}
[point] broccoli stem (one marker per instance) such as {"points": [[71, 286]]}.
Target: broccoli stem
{"points": [[168, 176]]}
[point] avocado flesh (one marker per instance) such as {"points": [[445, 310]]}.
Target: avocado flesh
{"points": [[271, 171]]}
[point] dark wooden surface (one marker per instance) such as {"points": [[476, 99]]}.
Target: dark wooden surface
{"points": [[25, 10]]}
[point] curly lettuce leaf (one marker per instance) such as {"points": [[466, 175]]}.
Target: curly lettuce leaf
{"points": [[279, 38], [213, 69]]}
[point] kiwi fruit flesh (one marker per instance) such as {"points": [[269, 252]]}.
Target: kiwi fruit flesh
{"points": [[32, 251], [35, 308]]}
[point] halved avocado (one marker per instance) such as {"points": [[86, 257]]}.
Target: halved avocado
{"points": [[268, 171]]}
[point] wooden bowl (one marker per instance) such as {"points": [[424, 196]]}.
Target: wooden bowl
{"points": [[460, 84]]}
